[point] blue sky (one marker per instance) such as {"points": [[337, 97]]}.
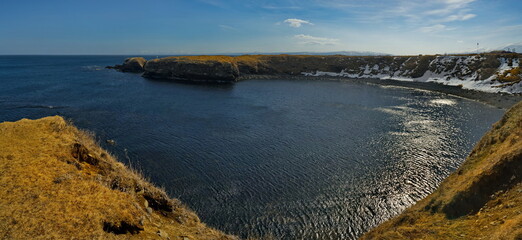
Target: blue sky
{"points": [[244, 26]]}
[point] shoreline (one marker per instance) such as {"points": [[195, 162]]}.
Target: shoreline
{"points": [[482, 199], [499, 100], [60, 184]]}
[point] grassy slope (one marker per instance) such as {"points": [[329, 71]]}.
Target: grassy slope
{"points": [[57, 183], [261, 58], [295, 64], [481, 200]]}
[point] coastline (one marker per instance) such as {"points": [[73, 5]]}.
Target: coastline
{"points": [[60, 184], [482, 199], [499, 100], [112, 225], [488, 72], [49, 156], [491, 78]]}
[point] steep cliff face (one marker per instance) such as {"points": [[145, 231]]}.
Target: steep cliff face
{"points": [[134, 64], [481, 200], [191, 70], [490, 72], [57, 183], [486, 72]]}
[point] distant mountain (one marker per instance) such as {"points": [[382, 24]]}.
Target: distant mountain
{"points": [[516, 46], [346, 53]]}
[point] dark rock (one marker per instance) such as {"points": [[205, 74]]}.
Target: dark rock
{"points": [[82, 154], [197, 71], [158, 201], [226, 69], [121, 228], [133, 64]]}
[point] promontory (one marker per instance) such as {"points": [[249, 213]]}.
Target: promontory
{"points": [[487, 72], [57, 183]]}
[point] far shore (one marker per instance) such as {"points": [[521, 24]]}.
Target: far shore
{"points": [[500, 100]]}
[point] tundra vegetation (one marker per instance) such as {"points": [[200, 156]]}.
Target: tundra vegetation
{"points": [[481, 200], [57, 183]]}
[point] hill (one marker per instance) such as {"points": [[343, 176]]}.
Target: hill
{"points": [[481, 200], [488, 72], [57, 183]]}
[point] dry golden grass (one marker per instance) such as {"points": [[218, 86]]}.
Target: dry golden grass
{"points": [[296, 64], [261, 57], [57, 183], [481, 200], [510, 76]]}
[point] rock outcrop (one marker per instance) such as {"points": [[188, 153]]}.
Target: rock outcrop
{"points": [[191, 70], [489, 72], [133, 64], [57, 183], [481, 200]]}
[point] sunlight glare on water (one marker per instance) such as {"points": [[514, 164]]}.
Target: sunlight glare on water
{"points": [[290, 159]]}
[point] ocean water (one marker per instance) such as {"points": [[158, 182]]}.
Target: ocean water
{"points": [[289, 159]]}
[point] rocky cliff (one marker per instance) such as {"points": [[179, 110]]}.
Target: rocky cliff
{"points": [[179, 68], [481, 200], [134, 64], [57, 183], [490, 72]]}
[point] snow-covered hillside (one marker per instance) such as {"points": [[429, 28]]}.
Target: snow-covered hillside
{"points": [[488, 73]]}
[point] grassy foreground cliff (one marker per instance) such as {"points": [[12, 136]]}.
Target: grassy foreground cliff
{"points": [[481, 200], [57, 183]]}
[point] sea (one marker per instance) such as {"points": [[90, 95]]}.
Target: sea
{"points": [[279, 159]]}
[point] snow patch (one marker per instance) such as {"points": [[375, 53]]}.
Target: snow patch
{"points": [[459, 75]]}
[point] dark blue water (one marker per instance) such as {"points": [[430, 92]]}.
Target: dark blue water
{"points": [[290, 159]]}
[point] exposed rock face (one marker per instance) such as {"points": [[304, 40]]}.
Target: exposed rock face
{"points": [[133, 64], [486, 72], [490, 72], [203, 71]]}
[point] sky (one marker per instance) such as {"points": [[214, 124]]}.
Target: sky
{"points": [[177, 27]]}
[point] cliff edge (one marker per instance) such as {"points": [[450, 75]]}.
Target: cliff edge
{"points": [[57, 183], [481, 200], [133, 64], [192, 69], [487, 72]]}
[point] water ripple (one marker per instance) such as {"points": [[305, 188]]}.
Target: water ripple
{"points": [[289, 159]]}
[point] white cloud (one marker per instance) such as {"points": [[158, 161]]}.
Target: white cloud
{"points": [[294, 22], [451, 10], [457, 2], [450, 6], [434, 28], [311, 40], [448, 11], [458, 17]]}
